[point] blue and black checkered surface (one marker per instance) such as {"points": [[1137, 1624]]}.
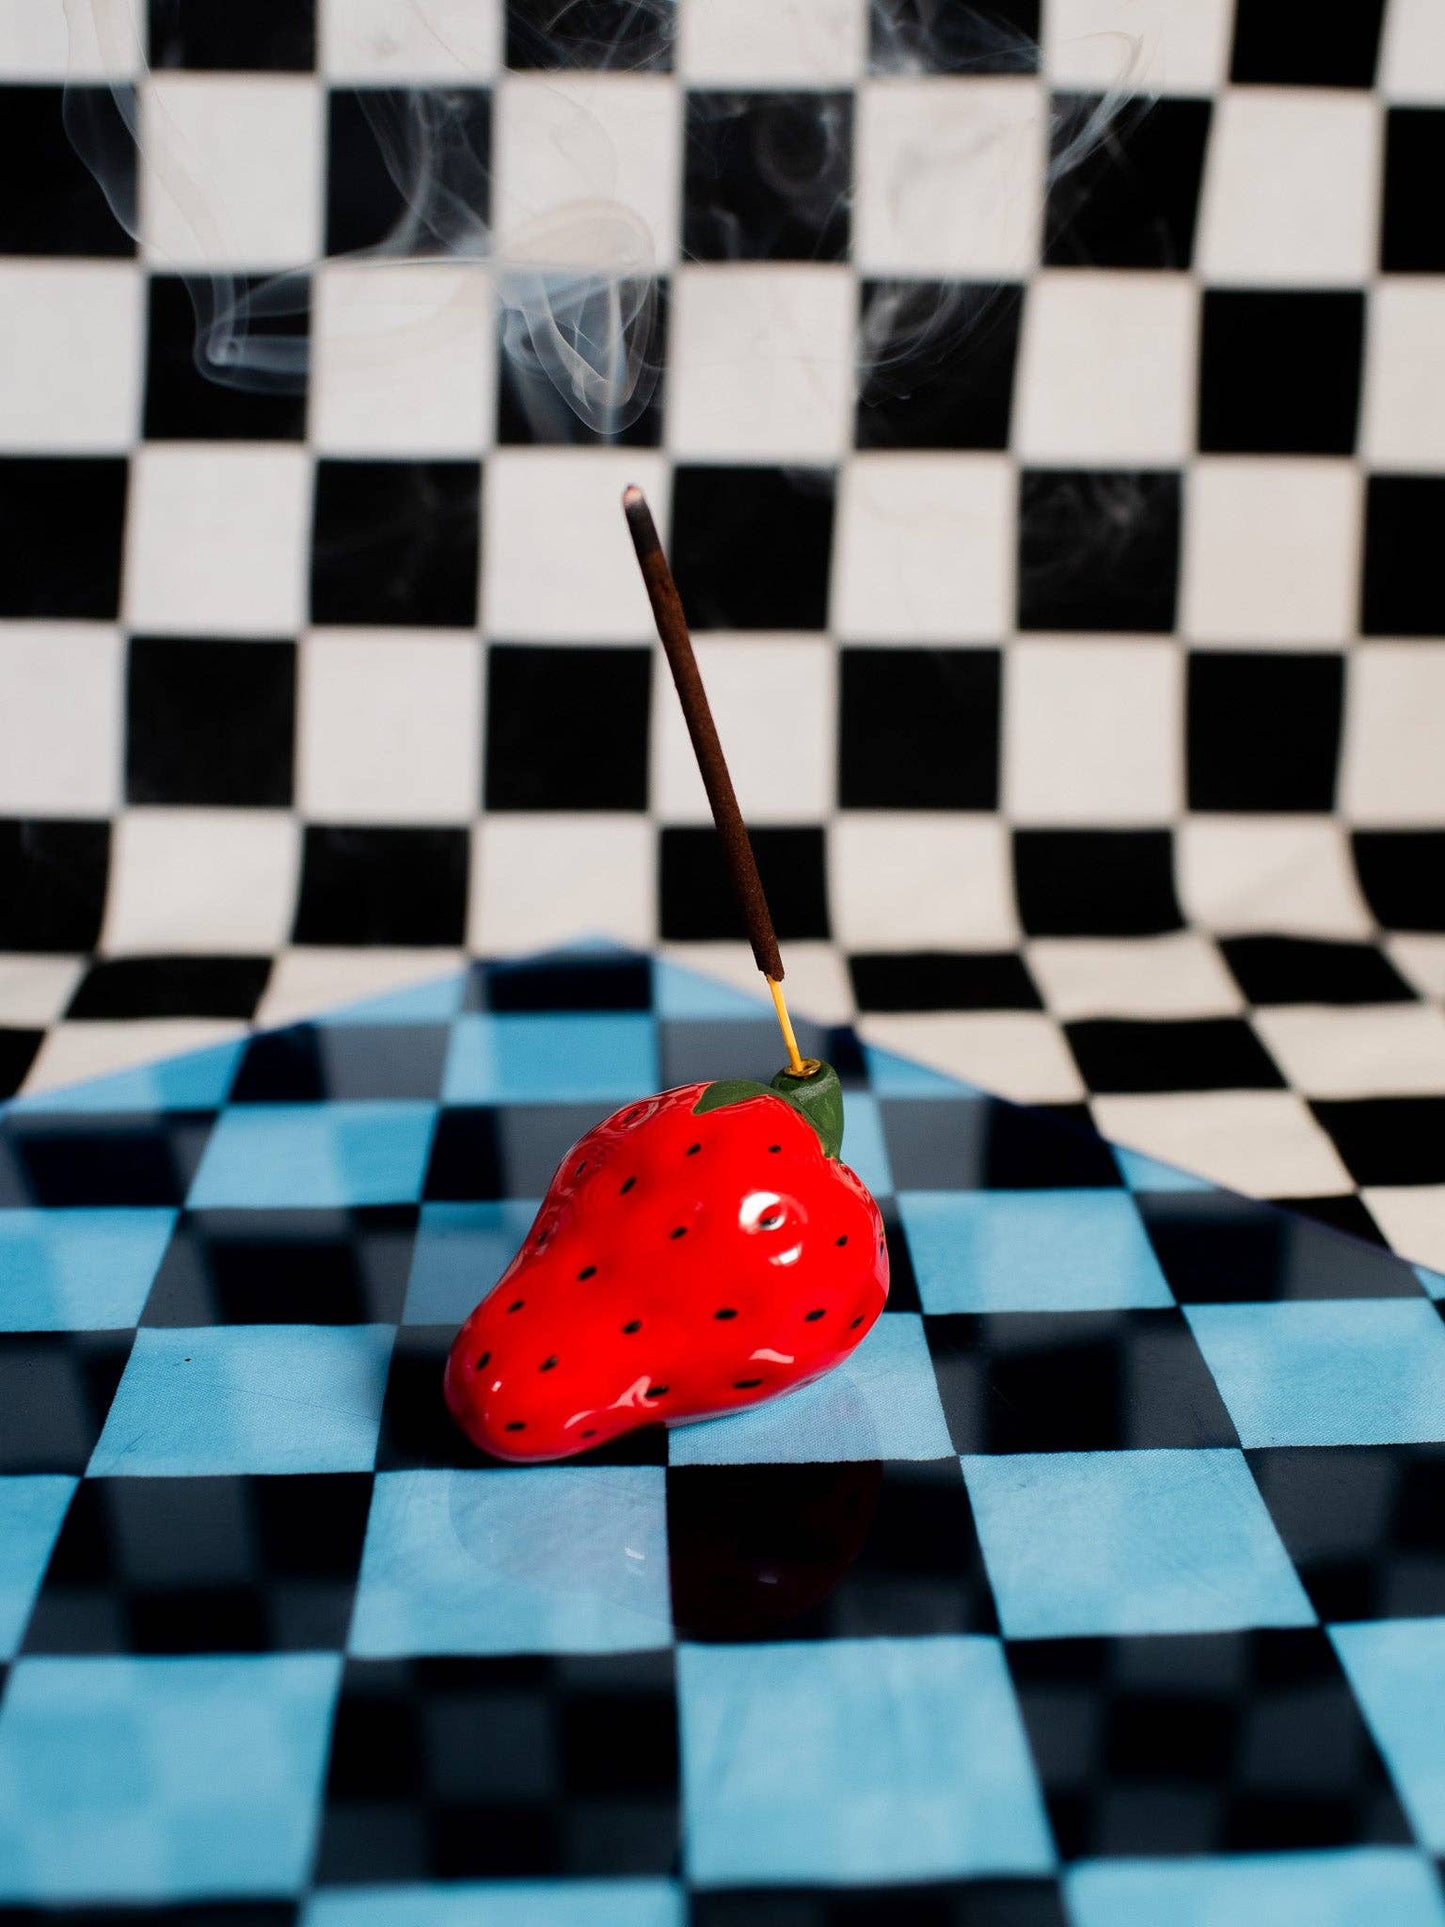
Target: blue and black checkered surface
{"points": [[1104, 1586]]}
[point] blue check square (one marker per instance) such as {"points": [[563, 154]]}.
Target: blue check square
{"points": [[501, 1903], [247, 1398], [264, 1156], [566, 1057], [1030, 1251], [1353, 1887], [31, 1511], [1327, 1371], [550, 1559], [460, 1252], [1397, 1668], [79, 1269], [882, 1403], [162, 1779], [856, 1761], [1082, 1544]]}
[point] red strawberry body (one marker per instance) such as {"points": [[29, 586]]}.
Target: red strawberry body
{"points": [[685, 1262]]}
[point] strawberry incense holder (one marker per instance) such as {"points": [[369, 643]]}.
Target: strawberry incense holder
{"points": [[698, 1252]]}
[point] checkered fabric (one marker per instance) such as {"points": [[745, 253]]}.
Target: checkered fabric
{"points": [[1049, 432], [1105, 1584]]}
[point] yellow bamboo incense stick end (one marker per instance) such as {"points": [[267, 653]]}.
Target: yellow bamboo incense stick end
{"points": [[796, 1065]]}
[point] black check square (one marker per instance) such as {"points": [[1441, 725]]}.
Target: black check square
{"points": [[418, 1433], [1089, 1381], [195, 1565], [466, 1164], [567, 729], [454, 1769], [1402, 874], [1411, 241], [1387, 1140], [961, 1903], [1076, 883], [582, 311], [1362, 1526], [1216, 1248], [293, 1267], [780, 519], [936, 363], [1125, 180], [374, 885], [55, 1391], [972, 1143], [182, 403], [560, 983], [276, 36], [697, 904], [210, 721], [408, 169], [1097, 549], [902, 1279], [849, 1551], [768, 176], [1244, 1742], [1263, 731], [617, 34], [943, 980], [1271, 49], [1279, 371], [130, 987], [17, 1054], [53, 878], [1179, 1054], [48, 138], [63, 517], [921, 37], [59, 1158], [396, 543], [1404, 590], [317, 1063], [1313, 970], [919, 729]]}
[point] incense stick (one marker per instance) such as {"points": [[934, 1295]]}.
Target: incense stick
{"points": [[722, 799]]}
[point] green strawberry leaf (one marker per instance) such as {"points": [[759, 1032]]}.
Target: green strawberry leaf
{"points": [[817, 1096]]}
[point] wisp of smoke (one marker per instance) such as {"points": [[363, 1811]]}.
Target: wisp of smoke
{"points": [[578, 286]]}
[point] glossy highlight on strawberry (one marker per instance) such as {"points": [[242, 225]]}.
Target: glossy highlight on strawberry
{"points": [[698, 1252]]}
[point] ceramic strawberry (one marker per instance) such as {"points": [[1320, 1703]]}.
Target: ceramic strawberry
{"points": [[698, 1252]]}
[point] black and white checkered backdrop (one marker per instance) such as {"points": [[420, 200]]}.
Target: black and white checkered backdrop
{"points": [[1050, 437]]}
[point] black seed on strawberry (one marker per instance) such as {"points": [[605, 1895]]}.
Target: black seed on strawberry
{"points": [[681, 1232], [656, 1391], [775, 1147], [726, 1312], [587, 1271], [841, 1241], [516, 1304], [746, 1384], [627, 1186], [812, 1317], [580, 1169], [516, 1425], [635, 1326], [546, 1365], [855, 1324], [483, 1362], [693, 1149], [590, 1433]]}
